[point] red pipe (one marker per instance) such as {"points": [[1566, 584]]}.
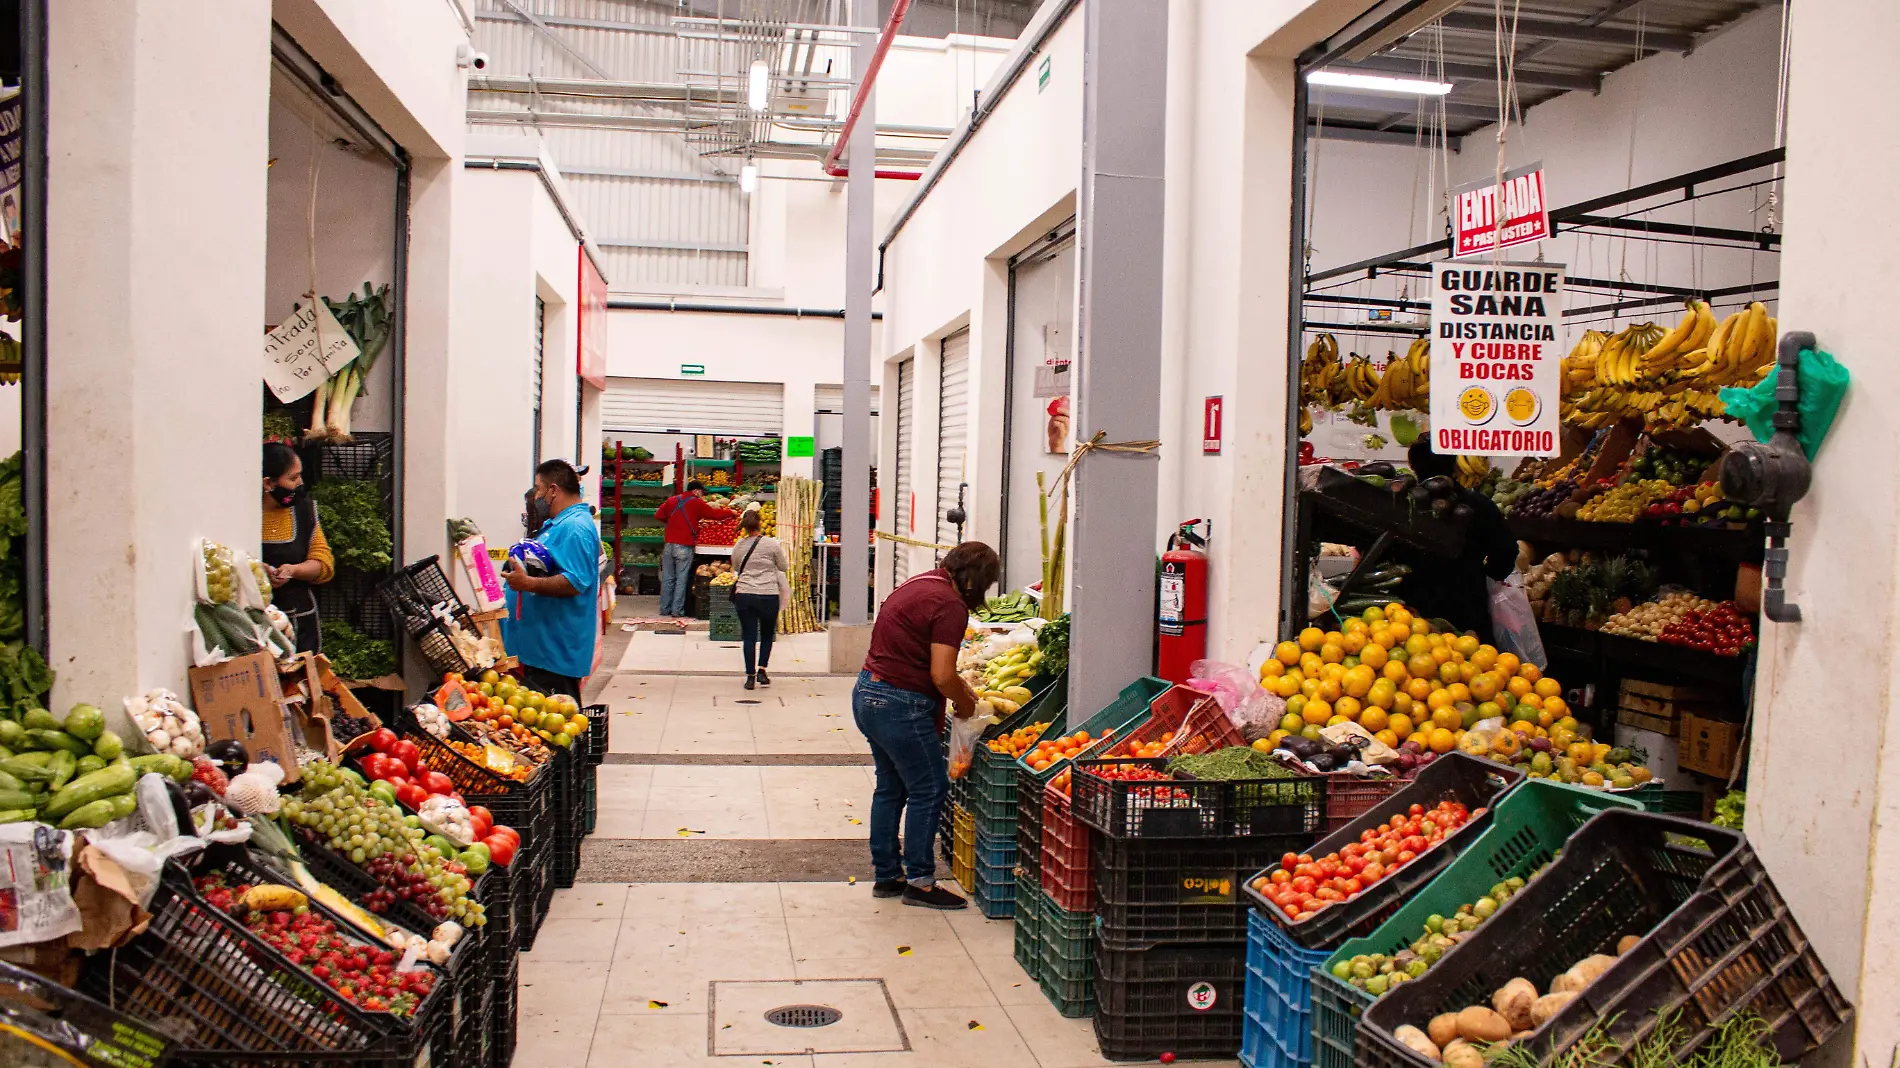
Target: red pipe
{"points": [[884, 39]]}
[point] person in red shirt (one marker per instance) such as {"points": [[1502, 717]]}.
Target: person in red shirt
{"points": [[898, 704], [681, 513]]}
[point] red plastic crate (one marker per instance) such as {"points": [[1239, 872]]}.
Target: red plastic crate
{"points": [[1068, 874], [1349, 796], [1196, 719]]}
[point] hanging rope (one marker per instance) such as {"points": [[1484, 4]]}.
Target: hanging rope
{"points": [[1096, 444]]}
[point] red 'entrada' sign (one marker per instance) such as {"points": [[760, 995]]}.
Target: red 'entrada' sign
{"points": [[1475, 212]]}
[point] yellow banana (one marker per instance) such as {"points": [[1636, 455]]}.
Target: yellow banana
{"points": [[1673, 340]]}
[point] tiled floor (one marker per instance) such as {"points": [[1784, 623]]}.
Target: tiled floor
{"points": [[622, 974]]}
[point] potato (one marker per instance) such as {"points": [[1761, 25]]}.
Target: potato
{"points": [[1592, 966], [1479, 1024], [1567, 983], [1443, 1028], [1513, 1001], [1548, 1006], [1626, 943], [1416, 1041], [1463, 1055]]}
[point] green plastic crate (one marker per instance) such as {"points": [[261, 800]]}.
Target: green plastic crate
{"points": [[1654, 798], [992, 778], [1527, 829], [1126, 711], [1028, 944], [1067, 973]]}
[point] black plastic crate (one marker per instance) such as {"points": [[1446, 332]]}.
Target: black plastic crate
{"points": [[1029, 824], [198, 970], [1717, 939], [496, 893], [1193, 808], [569, 816], [1150, 892], [1476, 783], [1180, 999], [369, 455], [106, 1036], [599, 728], [416, 595], [503, 1024], [350, 596], [590, 803]]}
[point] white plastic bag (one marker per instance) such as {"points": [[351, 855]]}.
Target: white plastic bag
{"points": [[965, 735], [1513, 624]]}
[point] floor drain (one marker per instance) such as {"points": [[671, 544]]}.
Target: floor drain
{"points": [[803, 1015], [746, 701]]}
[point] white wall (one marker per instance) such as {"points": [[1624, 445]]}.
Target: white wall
{"points": [[947, 268], [515, 246]]}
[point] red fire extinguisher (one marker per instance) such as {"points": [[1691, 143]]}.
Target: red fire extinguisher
{"points": [[1182, 614]]}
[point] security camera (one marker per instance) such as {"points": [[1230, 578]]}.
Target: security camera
{"points": [[468, 59]]}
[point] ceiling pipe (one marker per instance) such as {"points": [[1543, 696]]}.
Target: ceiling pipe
{"points": [[884, 39]]}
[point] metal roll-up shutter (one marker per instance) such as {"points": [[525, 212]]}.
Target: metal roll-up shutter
{"points": [[674, 406], [906, 428], [829, 400], [953, 431], [540, 336]]}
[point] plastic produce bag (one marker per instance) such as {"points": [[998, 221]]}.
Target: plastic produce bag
{"points": [[1823, 383], [1252, 709], [965, 735], [1513, 623]]}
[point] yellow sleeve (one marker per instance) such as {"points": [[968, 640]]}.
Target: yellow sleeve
{"points": [[320, 552]]}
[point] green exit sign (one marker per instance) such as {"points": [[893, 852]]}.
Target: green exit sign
{"points": [[692, 368], [1042, 74]]}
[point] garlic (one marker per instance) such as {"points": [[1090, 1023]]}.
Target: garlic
{"points": [[438, 953], [448, 932], [159, 739]]}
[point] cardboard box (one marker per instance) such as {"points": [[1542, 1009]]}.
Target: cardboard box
{"points": [[1666, 692], [1708, 745], [242, 700], [1663, 725]]}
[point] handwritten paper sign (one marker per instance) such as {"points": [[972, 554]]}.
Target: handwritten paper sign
{"points": [[304, 351]]}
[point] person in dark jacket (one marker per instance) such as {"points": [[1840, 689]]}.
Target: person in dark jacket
{"points": [[1455, 589]]}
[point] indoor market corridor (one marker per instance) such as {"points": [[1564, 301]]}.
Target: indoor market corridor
{"points": [[731, 826]]}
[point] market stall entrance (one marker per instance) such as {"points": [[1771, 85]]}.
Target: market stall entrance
{"points": [[953, 433], [1632, 552], [1036, 395]]}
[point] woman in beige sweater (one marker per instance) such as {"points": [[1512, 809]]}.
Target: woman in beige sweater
{"points": [[761, 565]]}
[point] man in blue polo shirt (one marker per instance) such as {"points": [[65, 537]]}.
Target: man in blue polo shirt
{"points": [[553, 620]]}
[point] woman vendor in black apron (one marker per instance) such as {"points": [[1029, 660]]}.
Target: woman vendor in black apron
{"points": [[295, 552]]}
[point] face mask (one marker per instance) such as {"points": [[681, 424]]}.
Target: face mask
{"points": [[287, 497]]}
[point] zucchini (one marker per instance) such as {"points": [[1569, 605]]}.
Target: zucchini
{"points": [[86, 789], [22, 769], [59, 740], [91, 814], [89, 763], [11, 782], [11, 799], [124, 804], [64, 766], [39, 758], [18, 815]]}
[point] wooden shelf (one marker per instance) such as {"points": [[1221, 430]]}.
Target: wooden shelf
{"points": [[1740, 546], [1619, 654]]}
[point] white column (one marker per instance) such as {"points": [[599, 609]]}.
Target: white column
{"points": [[1824, 776], [158, 140]]}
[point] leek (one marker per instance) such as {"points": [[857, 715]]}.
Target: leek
{"points": [[367, 320]]}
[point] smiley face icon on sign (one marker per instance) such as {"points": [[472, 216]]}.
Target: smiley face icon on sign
{"points": [[1477, 405], [1521, 406]]}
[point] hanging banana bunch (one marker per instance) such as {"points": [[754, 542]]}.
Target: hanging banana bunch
{"points": [[1473, 470], [1318, 370]]}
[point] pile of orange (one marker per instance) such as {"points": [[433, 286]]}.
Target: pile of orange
{"points": [[1048, 754], [1155, 748], [1018, 741], [1392, 673]]}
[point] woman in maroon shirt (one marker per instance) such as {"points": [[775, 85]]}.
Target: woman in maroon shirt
{"points": [[898, 704]]}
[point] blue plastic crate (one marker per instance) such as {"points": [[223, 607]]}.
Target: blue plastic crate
{"points": [[1278, 1032], [995, 891]]}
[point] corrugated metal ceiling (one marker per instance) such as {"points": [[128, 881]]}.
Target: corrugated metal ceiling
{"points": [[1561, 46]]}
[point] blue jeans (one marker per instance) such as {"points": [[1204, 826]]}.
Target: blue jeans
{"points": [[676, 574], [912, 779]]}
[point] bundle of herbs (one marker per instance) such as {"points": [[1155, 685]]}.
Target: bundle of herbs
{"points": [[355, 655], [351, 511]]}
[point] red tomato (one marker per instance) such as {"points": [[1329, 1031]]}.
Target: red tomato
{"points": [[406, 751], [412, 795], [398, 782], [1353, 886], [1356, 865], [1292, 912], [484, 820], [506, 832], [377, 767], [381, 739], [1290, 861], [500, 850], [1304, 884], [1327, 893], [1416, 809], [1406, 856], [436, 783]]}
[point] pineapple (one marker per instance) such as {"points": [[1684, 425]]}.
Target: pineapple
{"points": [[1614, 580], [1569, 596]]}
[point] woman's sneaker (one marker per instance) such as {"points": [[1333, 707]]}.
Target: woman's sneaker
{"points": [[934, 898]]}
